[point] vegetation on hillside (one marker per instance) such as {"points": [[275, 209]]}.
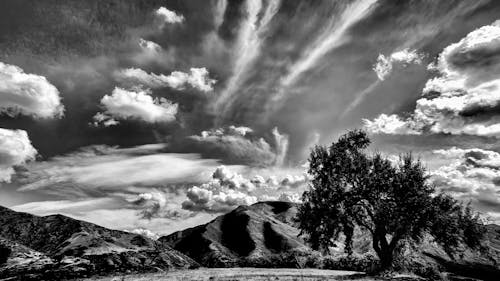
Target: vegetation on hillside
{"points": [[393, 202]]}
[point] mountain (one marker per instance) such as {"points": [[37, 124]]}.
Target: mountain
{"points": [[57, 247], [240, 236], [265, 233]]}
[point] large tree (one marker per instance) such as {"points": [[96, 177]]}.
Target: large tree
{"points": [[394, 202]]}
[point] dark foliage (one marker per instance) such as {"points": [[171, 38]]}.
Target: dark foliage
{"points": [[4, 253], [393, 202]]}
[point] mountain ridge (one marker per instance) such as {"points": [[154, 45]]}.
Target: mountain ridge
{"points": [[52, 244]]}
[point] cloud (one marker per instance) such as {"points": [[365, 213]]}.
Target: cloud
{"points": [[27, 94], [201, 199], [331, 37], [150, 46], [103, 167], [168, 16], [240, 145], [251, 35], [464, 98], [227, 190], [51, 207], [471, 175], [384, 64], [139, 105], [145, 232], [390, 124], [198, 79], [15, 149]]}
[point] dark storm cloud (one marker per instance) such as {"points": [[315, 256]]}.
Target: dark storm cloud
{"points": [[237, 145]]}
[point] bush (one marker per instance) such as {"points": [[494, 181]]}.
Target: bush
{"points": [[5, 252], [365, 263]]}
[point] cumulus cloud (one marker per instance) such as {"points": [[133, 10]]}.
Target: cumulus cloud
{"points": [[168, 16], [139, 105], [145, 232], [149, 46], [465, 96], [385, 64], [227, 190], [198, 78], [15, 149], [27, 94], [240, 145], [472, 175]]}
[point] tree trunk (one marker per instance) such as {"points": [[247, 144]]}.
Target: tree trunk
{"points": [[384, 250], [386, 259]]}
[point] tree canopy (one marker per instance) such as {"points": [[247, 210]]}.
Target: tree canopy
{"points": [[393, 201]]}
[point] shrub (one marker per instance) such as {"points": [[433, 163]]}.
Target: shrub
{"points": [[5, 252]]}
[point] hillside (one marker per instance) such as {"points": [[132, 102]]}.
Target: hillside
{"points": [[258, 234], [57, 246], [247, 233]]}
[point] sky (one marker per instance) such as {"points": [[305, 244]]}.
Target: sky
{"points": [[154, 116]]}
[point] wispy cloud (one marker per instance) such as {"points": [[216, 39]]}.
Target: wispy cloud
{"points": [[247, 48], [107, 167]]}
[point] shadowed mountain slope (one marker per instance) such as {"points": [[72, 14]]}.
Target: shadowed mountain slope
{"points": [[52, 244], [257, 234], [247, 233]]}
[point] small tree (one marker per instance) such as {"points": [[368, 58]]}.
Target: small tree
{"points": [[4, 253], [350, 188]]}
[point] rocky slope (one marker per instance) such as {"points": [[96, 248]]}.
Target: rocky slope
{"points": [[245, 234], [56, 247]]}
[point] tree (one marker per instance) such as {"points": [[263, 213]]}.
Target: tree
{"points": [[394, 202]]}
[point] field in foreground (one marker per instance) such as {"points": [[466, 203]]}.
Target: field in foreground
{"points": [[248, 274]]}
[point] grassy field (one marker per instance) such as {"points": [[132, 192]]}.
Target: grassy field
{"points": [[247, 274]]}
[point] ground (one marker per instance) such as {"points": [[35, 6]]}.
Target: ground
{"points": [[247, 274]]}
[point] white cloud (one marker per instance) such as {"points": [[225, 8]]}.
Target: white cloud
{"points": [[251, 35], [384, 64], [202, 199], [332, 37], [168, 16], [145, 232], [390, 124], [15, 149], [27, 94], [465, 96], [471, 175], [290, 197], [198, 78], [149, 46], [138, 105], [114, 168], [227, 190]]}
